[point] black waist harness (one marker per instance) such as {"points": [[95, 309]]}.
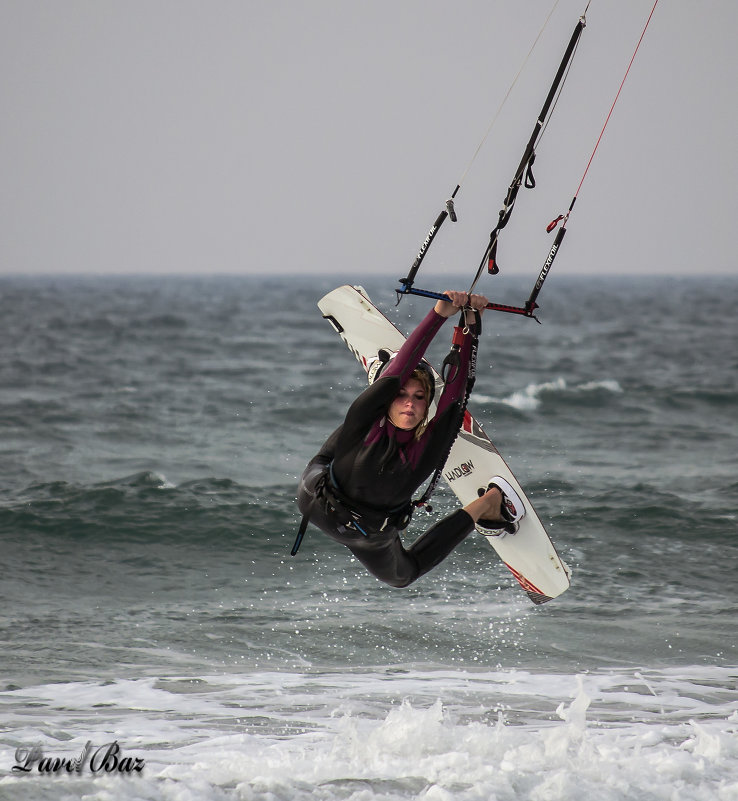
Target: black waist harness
{"points": [[347, 512]]}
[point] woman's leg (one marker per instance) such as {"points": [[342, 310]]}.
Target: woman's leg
{"points": [[384, 556], [381, 553], [431, 548]]}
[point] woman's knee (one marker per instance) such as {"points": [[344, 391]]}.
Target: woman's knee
{"points": [[398, 569], [399, 583]]}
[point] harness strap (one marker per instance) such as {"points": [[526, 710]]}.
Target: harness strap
{"points": [[300, 534], [398, 516], [349, 513]]}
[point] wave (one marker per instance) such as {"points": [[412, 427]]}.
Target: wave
{"points": [[530, 398], [147, 506]]}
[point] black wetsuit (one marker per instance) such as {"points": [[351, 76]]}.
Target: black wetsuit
{"points": [[357, 489]]}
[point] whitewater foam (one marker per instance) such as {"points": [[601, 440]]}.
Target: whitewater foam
{"points": [[529, 399], [401, 734]]}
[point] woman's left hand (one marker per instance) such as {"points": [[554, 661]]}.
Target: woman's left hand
{"points": [[458, 301]]}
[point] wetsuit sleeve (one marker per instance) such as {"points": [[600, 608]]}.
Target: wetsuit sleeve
{"points": [[454, 389], [435, 442], [410, 354], [365, 411], [374, 400], [328, 450]]}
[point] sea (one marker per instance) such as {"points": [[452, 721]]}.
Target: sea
{"points": [[159, 642]]}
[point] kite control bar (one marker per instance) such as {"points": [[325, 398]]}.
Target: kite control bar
{"points": [[524, 311], [528, 309]]}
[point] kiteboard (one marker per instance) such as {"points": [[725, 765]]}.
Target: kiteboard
{"points": [[529, 553]]}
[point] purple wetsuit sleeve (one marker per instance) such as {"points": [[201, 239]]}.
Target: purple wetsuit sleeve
{"points": [[367, 410], [455, 388], [413, 350], [416, 344]]}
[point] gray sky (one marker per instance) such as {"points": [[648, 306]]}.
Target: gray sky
{"points": [[173, 136]]}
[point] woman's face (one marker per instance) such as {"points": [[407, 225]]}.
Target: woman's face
{"points": [[407, 410]]}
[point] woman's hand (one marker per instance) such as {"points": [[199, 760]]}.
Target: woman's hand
{"points": [[458, 301]]}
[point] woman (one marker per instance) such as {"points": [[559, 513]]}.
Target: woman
{"points": [[358, 488]]}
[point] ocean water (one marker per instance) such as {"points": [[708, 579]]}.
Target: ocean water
{"points": [[155, 629]]}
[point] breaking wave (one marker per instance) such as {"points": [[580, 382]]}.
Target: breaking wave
{"points": [[531, 397]]}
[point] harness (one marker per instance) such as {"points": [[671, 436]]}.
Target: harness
{"points": [[351, 514]]}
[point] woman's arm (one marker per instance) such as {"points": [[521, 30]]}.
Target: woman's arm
{"points": [[412, 351], [456, 385], [372, 403]]}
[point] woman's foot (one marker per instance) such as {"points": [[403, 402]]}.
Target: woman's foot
{"points": [[488, 506], [501, 509]]}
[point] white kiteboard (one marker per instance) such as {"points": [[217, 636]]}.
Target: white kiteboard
{"points": [[473, 460]]}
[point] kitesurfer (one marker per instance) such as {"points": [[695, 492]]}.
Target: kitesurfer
{"points": [[358, 488]]}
